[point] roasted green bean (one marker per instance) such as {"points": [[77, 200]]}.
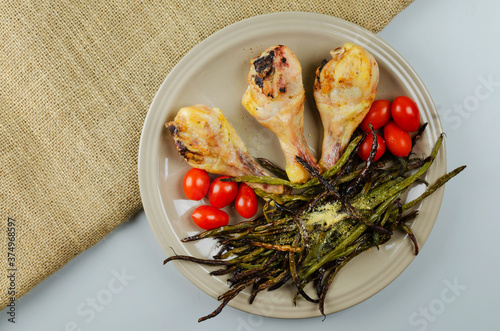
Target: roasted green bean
{"points": [[308, 235]]}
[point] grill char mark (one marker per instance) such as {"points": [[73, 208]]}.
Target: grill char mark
{"points": [[172, 128], [183, 150], [258, 81], [323, 63], [264, 65]]}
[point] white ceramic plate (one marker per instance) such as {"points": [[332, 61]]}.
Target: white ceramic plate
{"points": [[214, 73]]}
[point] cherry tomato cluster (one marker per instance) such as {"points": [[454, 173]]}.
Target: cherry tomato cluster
{"points": [[396, 120], [196, 185]]}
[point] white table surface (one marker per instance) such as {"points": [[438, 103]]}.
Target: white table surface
{"points": [[121, 284]]}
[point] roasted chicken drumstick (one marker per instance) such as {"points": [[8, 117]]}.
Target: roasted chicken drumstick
{"points": [[207, 141], [275, 97], [344, 90]]}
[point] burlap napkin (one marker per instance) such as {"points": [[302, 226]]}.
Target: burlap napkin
{"points": [[77, 78]]}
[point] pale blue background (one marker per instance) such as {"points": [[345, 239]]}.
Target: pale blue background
{"points": [[454, 46]]}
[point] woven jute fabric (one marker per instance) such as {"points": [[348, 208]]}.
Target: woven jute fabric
{"points": [[77, 78]]}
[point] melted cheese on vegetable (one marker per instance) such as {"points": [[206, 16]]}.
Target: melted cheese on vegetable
{"points": [[327, 215]]}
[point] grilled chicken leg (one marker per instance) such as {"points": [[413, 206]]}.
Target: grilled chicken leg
{"points": [[207, 141], [344, 90], [275, 97]]}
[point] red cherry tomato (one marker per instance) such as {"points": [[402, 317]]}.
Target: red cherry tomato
{"points": [[398, 141], [405, 113], [195, 184], [246, 201], [208, 217], [378, 115], [366, 147], [221, 194]]}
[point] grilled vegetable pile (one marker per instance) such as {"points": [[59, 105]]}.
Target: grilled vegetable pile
{"points": [[308, 235]]}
